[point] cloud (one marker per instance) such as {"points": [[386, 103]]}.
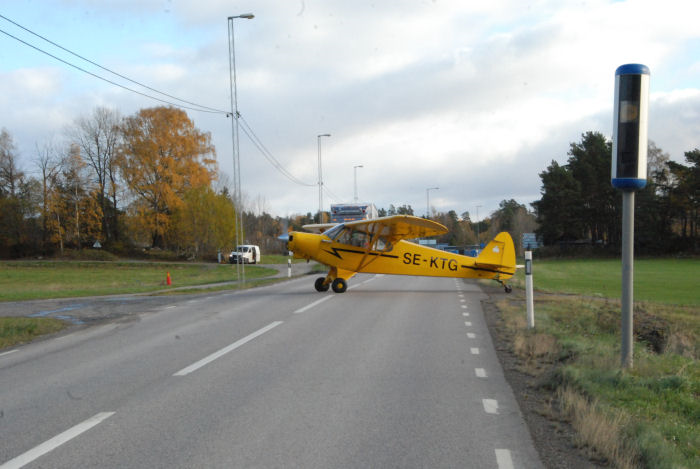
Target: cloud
{"points": [[474, 97]]}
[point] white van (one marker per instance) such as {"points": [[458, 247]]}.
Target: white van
{"points": [[245, 254]]}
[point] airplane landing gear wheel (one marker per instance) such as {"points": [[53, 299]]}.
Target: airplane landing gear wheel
{"points": [[319, 286], [339, 285], [508, 288]]}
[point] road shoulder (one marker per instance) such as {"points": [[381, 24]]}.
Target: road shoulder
{"points": [[553, 436]]}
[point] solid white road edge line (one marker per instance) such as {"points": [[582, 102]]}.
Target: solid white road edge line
{"points": [[225, 350], [9, 352], [309, 306], [55, 442], [503, 459]]}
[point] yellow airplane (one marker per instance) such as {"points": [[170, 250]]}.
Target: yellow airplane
{"points": [[377, 246]]}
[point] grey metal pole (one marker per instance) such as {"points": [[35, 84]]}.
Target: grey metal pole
{"points": [[627, 279], [320, 179], [235, 134], [478, 243], [355, 178], [427, 200]]}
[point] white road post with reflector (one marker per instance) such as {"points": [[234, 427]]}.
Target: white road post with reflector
{"points": [[528, 291]]}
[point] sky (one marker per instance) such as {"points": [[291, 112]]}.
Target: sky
{"points": [[475, 98]]}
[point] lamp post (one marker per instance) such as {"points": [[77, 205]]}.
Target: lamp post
{"points": [[240, 270], [427, 197], [355, 171], [478, 243], [320, 179]]}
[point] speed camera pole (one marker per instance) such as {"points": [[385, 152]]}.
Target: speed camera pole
{"points": [[629, 173], [627, 348]]}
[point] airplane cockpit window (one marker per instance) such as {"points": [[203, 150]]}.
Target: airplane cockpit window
{"points": [[333, 232], [346, 235], [382, 244], [359, 239]]}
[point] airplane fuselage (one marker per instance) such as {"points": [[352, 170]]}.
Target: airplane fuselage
{"points": [[404, 258]]}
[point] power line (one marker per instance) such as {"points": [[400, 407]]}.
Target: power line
{"points": [[107, 80], [247, 129], [269, 156], [210, 109], [331, 194]]}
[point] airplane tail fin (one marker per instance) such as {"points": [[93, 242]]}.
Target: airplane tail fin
{"points": [[498, 257]]}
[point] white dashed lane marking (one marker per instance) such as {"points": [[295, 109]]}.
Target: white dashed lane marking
{"points": [[503, 459], [490, 406]]}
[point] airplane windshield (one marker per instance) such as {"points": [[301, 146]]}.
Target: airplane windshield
{"points": [[333, 232]]}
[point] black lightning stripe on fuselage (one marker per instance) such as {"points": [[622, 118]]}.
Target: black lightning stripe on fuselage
{"points": [[335, 252]]}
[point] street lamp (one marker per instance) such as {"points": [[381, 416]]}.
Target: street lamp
{"points": [[427, 196], [320, 179], [477, 228], [354, 168], [240, 271]]}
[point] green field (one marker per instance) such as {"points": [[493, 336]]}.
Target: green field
{"points": [[670, 281], [39, 280]]}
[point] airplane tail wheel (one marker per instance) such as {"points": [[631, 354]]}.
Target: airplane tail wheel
{"points": [[318, 284], [339, 285]]}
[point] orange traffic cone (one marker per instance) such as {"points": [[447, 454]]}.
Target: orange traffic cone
{"points": [[167, 280]]}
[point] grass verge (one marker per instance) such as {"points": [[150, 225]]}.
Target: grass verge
{"points": [[667, 280], [39, 280], [644, 417], [15, 331]]}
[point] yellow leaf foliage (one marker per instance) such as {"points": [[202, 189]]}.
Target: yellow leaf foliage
{"points": [[162, 157]]}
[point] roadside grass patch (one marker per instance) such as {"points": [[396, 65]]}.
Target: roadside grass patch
{"points": [[644, 417], [277, 259], [251, 282], [15, 331], [29, 280], [667, 280]]}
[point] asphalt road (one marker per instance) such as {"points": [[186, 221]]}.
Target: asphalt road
{"points": [[396, 372]]}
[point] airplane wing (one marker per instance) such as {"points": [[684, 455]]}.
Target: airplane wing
{"points": [[399, 227], [319, 227]]}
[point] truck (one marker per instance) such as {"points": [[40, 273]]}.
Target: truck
{"points": [[245, 254], [341, 213]]}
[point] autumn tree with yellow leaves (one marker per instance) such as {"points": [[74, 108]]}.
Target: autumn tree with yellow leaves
{"points": [[205, 223], [163, 156]]}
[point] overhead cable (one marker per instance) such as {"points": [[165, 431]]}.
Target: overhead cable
{"points": [[247, 129], [268, 155], [107, 80], [204, 108]]}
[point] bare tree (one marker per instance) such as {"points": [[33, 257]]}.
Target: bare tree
{"points": [[98, 137], [10, 174], [49, 166]]}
